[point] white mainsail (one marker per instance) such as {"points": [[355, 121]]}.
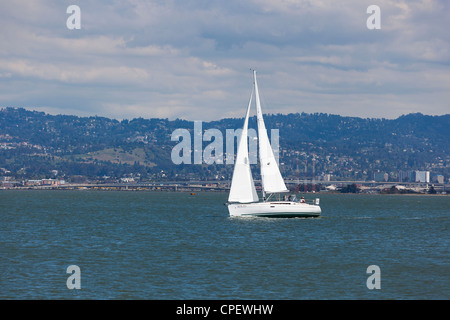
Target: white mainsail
{"points": [[242, 186], [271, 179]]}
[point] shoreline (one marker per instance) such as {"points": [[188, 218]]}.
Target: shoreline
{"points": [[196, 190]]}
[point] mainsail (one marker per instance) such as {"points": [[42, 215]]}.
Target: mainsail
{"points": [[242, 186], [271, 179]]}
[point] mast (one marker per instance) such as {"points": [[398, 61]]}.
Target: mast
{"points": [[305, 185], [258, 103], [313, 172]]}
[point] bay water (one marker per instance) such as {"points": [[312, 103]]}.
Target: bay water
{"points": [[174, 245]]}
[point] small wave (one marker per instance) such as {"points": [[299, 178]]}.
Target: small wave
{"points": [[361, 218]]}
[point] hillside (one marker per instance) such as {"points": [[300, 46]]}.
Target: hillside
{"points": [[35, 145]]}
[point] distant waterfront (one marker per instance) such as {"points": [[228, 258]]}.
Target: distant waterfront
{"points": [[223, 186]]}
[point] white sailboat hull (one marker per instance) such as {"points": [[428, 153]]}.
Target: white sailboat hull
{"points": [[274, 209]]}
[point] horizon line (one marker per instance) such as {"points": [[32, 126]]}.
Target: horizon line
{"points": [[2, 108]]}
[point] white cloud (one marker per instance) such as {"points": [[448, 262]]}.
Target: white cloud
{"points": [[190, 59]]}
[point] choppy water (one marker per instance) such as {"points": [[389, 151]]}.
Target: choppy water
{"points": [[147, 245]]}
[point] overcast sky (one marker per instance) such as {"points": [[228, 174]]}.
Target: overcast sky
{"points": [[191, 59]]}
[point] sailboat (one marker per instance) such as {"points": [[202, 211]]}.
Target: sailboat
{"points": [[243, 200]]}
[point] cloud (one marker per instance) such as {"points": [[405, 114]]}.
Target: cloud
{"points": [[190, 59]]}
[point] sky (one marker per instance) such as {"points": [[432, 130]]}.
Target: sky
{"points": [[191, 59]]}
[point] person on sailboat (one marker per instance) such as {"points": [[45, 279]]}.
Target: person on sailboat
{"points": [[302, 200]]}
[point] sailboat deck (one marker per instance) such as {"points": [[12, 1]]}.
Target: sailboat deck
{"points": [[274, 209]]}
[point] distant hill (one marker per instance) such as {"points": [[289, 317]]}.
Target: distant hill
{"points": [[37, 145]]}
